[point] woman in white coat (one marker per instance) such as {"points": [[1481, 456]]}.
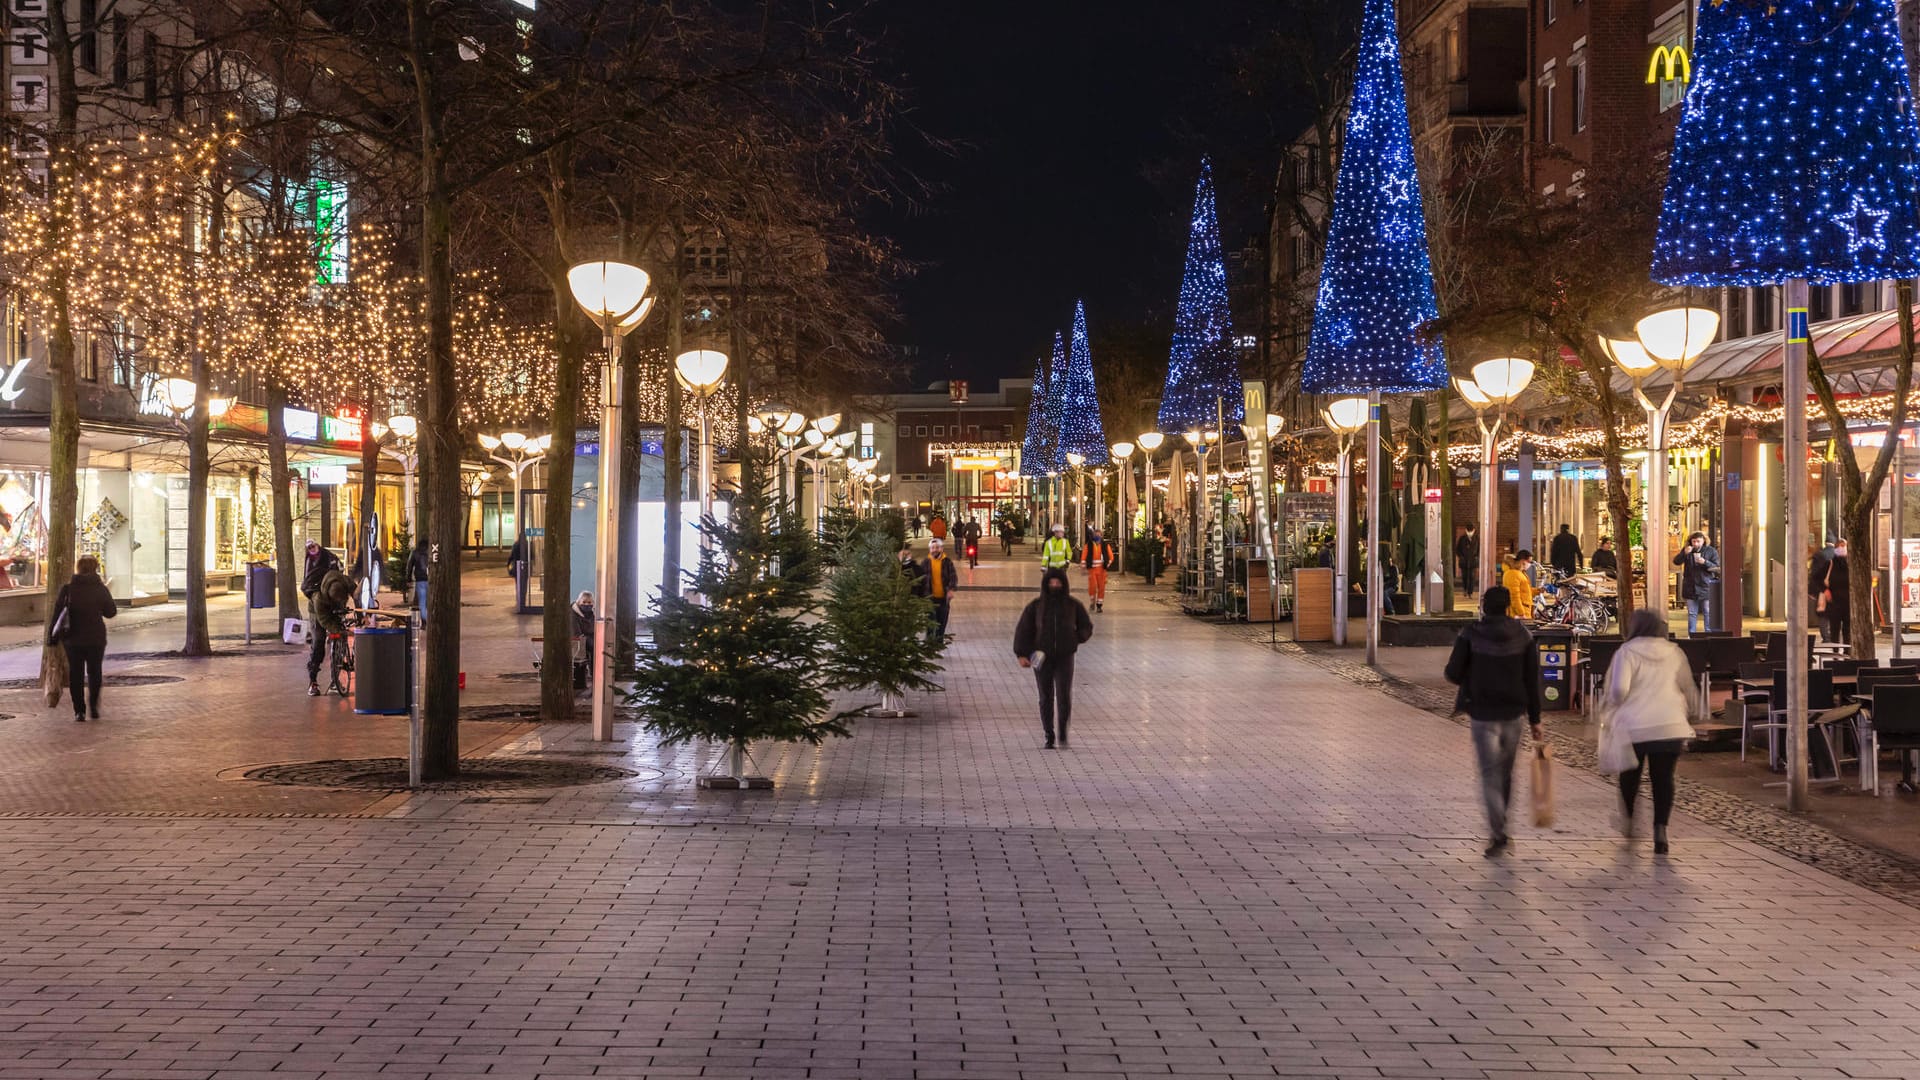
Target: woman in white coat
{"points": [[1650, 693]]}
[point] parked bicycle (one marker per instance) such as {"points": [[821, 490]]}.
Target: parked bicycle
{"points": [[1583, 603]]}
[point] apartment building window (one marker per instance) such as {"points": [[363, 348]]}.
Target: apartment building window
{"points": [[87, 43], [939, 431], [1579, 96], [150, 69], [1456, 60], [1670, 35], [1546, 108], [973, 431], [122, 63], [866, 440], [1552, 11], [921, 431]]}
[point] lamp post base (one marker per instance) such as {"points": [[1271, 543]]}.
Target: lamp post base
{"points": [[735, 783]]}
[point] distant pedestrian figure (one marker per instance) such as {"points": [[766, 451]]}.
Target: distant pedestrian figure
{"points": [[1389, 579], [331, 608], [1832, 591], [1466, 554], [941, 581], [1519, 585], [418, 566], [937, 527], [1699, 567], [1650, 694], [1099, 559], [1057, 551], [914, 521], [517, 567], [80, 614], [581, 613], [1564, 553], [1050, 630], [1604, 561], [1498, 673]]}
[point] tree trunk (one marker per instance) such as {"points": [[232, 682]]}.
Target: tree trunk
{"points": [[556, 622], [281, 479], [1599, 373], [199, 461], [440, 486], [63, 425]]}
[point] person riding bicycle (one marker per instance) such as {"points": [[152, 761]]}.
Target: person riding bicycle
{"points": [[332, 608], [970, 536]]}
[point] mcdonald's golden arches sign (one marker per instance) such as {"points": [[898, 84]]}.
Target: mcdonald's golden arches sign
{"points": [[1674, 58]]}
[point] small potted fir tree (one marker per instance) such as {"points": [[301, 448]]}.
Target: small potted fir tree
{"points": [[878, 627]]}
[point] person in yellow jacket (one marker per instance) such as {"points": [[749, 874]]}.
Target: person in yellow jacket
{"points": [[1057, 552], [1518, 585]]}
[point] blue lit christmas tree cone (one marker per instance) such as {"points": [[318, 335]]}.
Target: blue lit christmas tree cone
{"points": [[1203, 373], [1036, 450], [1080, 430], [1376, 282], [1794, 161], [1056, 453]]}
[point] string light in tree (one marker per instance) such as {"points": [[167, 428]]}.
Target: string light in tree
{"points": [[1080, 429], [1056, 382], [1376, 281], [1202, 368], [1796, 153]]}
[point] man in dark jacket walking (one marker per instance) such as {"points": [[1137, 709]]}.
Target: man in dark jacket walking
{"points": [[938, 581], [1832, 591], [419, 565], [1466, 558], [1050, 630], [80, 612], [1498, 673], [1564, 553]]}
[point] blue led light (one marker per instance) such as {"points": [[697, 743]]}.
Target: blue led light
{"points": [[1036, 451], [1376, 282], [1056, 381], [1080, 429], [1796, 153], [1202, 366]]}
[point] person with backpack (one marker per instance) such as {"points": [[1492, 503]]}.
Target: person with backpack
{"points": [[1498, 672], [80, 614], [1099, 558], [1051, 629]]}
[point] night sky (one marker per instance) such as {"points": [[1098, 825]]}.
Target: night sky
{"points": [[1081, 125]]}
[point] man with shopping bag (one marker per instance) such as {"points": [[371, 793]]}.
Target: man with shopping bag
{"points": [[1498, 672]]}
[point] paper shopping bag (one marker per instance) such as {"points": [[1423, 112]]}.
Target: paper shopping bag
{"points": [[293, 631], [53, 673], [1543, 786]]}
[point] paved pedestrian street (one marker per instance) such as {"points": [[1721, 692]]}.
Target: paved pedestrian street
{"points": [[1245, 866]]}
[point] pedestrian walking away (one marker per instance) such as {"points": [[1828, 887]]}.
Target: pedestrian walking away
{"points": [[517, 567], [1051, 629], [1100, 558], [1007, 535], [1699, 567], [1650, 694], [1466, 554], [1498, 673], [938, 528], [942, 580], [80, 614], [1564, 553], [1519, 585], [332, 607], [1832, 591], [418, 566], [1057, 551]]}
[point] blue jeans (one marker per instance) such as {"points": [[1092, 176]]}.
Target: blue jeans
{"points": [[1700, 608], [420, 600], [1496, 745]]}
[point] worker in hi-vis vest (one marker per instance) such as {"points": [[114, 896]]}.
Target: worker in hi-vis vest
{"points": [[1057, 552]]}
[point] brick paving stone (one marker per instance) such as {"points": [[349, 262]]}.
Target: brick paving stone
{"points": [[1248, 865]]}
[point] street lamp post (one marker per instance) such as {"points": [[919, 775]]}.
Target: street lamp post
{"points": [[1074, 462], [1122, 459], [1673, 340], [700, 371], [614, 295], [1493, 385], [1344, 418], [522, 453], [406, 451], [1149, 442]]}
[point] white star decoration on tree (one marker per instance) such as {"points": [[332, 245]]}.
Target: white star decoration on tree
{"points": [[1395, 189], [1865, 226]]}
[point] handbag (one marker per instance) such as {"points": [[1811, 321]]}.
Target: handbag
{"points": [[1614, 747], [53, 673], [1543, 785], [293, 631], [59, 628]]}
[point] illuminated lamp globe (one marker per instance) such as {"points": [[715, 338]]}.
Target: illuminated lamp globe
{"points": [[1150, 441], [773, 416], [403, 426], [1676, 337], [177, 394], [489, 443], [540, 444], [609, 292], [1504, 378], [219, 406], [794, 422], [701, 369], [1629, 356], [1193, 437], [883, 478], [512, 440], [847, 438], [1122, 451], [814, 438], [828, 424], [1076, 459], [1347, 415], [1470, 390], [755, 426]]}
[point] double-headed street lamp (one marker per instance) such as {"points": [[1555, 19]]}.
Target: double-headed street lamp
{"points": [[518, 452], [614, 296], [1673, 340], [701, 372], [1201, 440], [406, 450], [1149, 443], [1494, 385], [1344, 418], [1122, 460], [1074, 461]]}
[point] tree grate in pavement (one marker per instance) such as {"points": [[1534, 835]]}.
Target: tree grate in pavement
{"points": [[105, 680], [476, 774], [1771, 827], [217, 654]]}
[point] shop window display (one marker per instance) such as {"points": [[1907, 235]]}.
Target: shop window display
{"points": [[23, 529]]}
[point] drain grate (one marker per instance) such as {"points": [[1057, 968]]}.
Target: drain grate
{"points": [[106, 680], [517, 800], [476, 774]]}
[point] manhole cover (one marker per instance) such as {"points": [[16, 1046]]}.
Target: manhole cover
{"points": [[476, 774], [217, 654], [108, 680]]}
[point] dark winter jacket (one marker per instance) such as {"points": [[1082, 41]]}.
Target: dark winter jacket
{"points": [[1829, 574], [1564, 553], [1100, 553], [1697, 578], [318, 564], [88, 605], [1055, 625], [970, 532], [582, 620], [418, 564], [332, 603], [1603, 560], [949, 576], [1496, 669]]}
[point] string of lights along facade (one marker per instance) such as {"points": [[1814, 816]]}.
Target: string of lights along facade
{"points": [[1376, 282], [1081, 431], [1796, 151], [1036, 450], [1202, 369], [1056, 383]]}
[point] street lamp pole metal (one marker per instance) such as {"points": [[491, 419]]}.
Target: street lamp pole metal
{"points": [[1344, 418]]}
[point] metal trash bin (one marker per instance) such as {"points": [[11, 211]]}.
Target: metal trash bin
{"points": [[260, 586], [1555, 649], [382, 671]]}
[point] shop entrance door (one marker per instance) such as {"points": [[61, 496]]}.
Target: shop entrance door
{"points": [[533, 511]]}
